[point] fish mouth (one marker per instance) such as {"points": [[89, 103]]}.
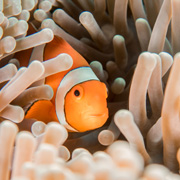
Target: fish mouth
{"points": [[98, 115], [101, 113], [94, 120], [98, 119]]}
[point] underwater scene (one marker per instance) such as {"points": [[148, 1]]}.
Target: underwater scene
{"points": [[89, 89]]}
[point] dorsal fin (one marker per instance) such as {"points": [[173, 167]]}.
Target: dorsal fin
{"points": [[24, 56]]}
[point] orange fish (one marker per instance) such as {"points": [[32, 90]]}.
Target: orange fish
{"points": [[79, 101]]}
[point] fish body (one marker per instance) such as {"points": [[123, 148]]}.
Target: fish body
{"points": [[79, 101]]}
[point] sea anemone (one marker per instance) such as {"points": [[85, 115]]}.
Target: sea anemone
{"points": [[133, 47]]}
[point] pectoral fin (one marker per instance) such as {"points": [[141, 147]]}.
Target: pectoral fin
{"points": [[42, 110]]}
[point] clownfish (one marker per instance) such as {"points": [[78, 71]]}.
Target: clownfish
{"points": [[79, 101]]}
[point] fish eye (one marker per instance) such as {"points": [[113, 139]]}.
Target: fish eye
{"points": [[76, 93]]}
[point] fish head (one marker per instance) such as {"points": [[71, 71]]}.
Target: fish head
{"points": [[86, 106]]}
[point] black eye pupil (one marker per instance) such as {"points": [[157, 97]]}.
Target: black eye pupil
{"points": [[76, 93]]}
